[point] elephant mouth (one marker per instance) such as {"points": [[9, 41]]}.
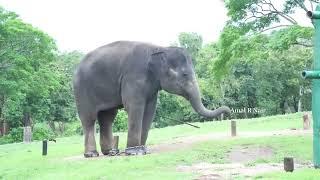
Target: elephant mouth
{"points": [[186, 96]]}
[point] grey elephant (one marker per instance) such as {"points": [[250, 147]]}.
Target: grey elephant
{"points": [[130, 74]]}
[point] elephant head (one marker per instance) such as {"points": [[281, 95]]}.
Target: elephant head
{"points": [[174, 71]]}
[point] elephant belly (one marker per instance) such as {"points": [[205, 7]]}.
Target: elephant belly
{"points": [[105, 96]]}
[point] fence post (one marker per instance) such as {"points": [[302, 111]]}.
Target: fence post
{"points": [[44, 147], [288, 164], [233, 128], [306, 121]]}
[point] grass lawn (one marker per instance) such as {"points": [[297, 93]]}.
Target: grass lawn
{"points": [[310, 174], [24, 161]]}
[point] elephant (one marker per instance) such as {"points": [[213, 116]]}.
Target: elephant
{"points": [[129, 75]]}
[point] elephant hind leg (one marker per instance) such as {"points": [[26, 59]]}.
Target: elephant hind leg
{"points": [[105, 119], [88, 123]]}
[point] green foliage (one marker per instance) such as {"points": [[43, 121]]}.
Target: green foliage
{"points": [[35, 80], [229, 35], [192, 42], [73, 128], [6, 139], [261, 14], [293, 35], [249, 17], [42, 131], [29, 78], [172, 109], [16, 134], [121, 121], [61, 101]]}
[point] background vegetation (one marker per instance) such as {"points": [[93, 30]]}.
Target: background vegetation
{"points": [[256, 63]]}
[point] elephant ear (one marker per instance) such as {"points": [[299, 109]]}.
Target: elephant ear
{"points": [[157, 60]]}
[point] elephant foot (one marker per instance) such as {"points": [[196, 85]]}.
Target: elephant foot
{"points": [[91, 154], [111, 152], [136, 150], [105, 152]]}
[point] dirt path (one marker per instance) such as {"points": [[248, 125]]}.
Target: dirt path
{"points": [[186, 142], [208, 171], [238, 156]]}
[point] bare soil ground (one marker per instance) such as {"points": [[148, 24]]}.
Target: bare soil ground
{"points": [[238, 158], [186, 142], [210, 171], [181, 143]]}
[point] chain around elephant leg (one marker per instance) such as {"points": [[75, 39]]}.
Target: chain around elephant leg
{"points": [[136, 150]]}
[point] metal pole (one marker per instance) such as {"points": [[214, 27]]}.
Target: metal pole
{"points": [[44, 147], [315, 76]]}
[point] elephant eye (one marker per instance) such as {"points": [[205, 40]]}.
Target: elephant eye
{"points": [[174, 63]]}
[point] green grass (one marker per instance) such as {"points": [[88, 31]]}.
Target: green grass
{"points": [[270, 123], [24, 161], [309, 174]]}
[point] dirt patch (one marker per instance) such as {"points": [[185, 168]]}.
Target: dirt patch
{"points": [[181, 143], [210, 171], [249, 154]]}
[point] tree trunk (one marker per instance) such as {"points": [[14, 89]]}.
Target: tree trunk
{"points": [[286, 107], [52, 125], [61, 127], [26, 119], [306, 121], [1, 123], [1, 116], [5, 127]]}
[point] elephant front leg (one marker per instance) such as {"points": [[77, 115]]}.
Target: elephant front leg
{"points": [[135, 118], [147, 119]]}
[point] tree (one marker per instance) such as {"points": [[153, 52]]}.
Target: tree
{"points": [[29, 75], [256, 16], [266, 73], [61, 101], [263, 15], [192, 42]]}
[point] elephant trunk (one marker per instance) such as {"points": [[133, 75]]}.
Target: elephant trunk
{"points": [[194, 97]]}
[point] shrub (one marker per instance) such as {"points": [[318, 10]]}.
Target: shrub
{"points": [[16, 134], [121, 121], [6, 139], [73, 128], [42, 131]]}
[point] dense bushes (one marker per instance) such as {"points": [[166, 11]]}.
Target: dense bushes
{"points": [[15, 135], [42, 131], [121, 121]]}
